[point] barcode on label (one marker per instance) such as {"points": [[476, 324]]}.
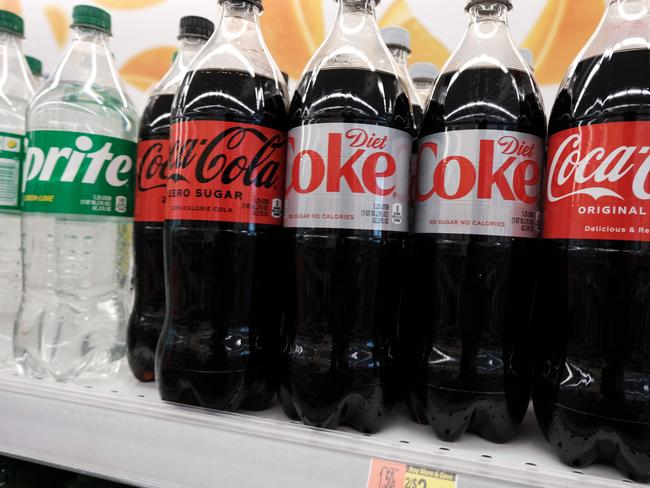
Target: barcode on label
{"points": [[8, 182]]}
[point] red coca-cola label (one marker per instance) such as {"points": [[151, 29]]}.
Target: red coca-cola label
{"points": [[226, 172], [597, 183], [150, 192]]}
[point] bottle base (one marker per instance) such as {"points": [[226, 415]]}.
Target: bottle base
{"points": [[582, 439], [220, 390], [452, 413], [61, 375], [363, 409]]}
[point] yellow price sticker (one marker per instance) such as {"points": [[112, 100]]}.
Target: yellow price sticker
{"points": [[389, 474], [417, 477]]}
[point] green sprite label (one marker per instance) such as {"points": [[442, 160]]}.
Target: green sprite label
{"points": [[12, 148], [74, 173]]}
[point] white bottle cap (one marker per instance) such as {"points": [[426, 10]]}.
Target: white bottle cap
{"points": [[397, 37], [527, 54], [424, 71]]}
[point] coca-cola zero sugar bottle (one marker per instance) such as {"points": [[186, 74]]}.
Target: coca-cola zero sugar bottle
{"points": [[592, 389], [473, 255], [350, 141], [148, 314], [223, 222]]}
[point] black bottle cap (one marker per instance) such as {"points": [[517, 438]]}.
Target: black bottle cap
{"points": [[472, 3], [198, 27], [257, 3]]}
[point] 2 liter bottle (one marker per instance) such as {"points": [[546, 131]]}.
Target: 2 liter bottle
{"points": [[148, 315], [593, 378], [77, 204], [223, 222]]}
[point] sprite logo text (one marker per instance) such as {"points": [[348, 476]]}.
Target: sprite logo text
{"points": [[72, 173]]}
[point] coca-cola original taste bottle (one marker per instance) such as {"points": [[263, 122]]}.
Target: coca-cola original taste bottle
{"points": [[148, 313], [592, 391], [346, 200], [223, 222], [474, 254]]}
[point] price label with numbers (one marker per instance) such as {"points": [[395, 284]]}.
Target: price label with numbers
{"points": [[389, 474]]}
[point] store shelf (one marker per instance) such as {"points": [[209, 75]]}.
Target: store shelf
{"points": [[119, 429]]}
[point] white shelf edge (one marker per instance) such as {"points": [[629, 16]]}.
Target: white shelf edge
{"points": [[118, 429]]}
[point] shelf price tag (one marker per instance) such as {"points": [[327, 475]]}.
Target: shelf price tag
{"points": [[388, 474]]}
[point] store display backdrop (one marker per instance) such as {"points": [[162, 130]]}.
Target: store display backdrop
{"points": [[145, 32]]}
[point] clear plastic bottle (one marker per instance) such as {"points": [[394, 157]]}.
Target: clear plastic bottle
{"points": [[223, 222], [475, 248], [77, 205], [350, 119], [424, 76], [36, 67], [398, 41], [16, 88], [148, 315], [592, 381]]}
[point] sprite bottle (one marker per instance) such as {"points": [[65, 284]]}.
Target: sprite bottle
{"points": [[78, 207]]}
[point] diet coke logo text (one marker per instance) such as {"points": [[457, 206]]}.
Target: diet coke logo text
{"points": [[224, 171], [484, 182], [367, 169], [597, 184], [352, 176], [517, 178]]}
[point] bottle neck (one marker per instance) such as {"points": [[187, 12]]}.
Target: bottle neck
{"points": [[625, 26], [365, 7], [240, 20], [631, 9], [357, 17], [89, 62], [16, 78], [488, 22], [487, 41], [400, 56], [493, 12], [189, 48]]}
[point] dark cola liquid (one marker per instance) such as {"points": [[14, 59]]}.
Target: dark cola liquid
{"points": [[346, 284], [220, 344], [466, 326], [148, 315], [592, 389]]}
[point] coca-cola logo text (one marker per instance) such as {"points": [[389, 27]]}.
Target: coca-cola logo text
{"points": [[153, 167], [516, 179], [225, 158], [369, 168], [613, 172]]}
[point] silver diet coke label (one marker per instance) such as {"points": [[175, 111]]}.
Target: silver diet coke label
{"points": [[482, 182], [348, 176]]}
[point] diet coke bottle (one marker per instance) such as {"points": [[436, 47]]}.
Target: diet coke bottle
{"points": [[475, 247], [350, 141], [148, 313], [223, 222], [592, 389]]}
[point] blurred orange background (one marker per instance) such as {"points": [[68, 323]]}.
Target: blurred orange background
{"points": [[145, 31]]}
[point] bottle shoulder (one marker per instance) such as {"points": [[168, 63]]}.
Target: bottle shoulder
{"points": [[608, 87], [231, 95], [77, 107], [352, 95], [486, 98]]}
